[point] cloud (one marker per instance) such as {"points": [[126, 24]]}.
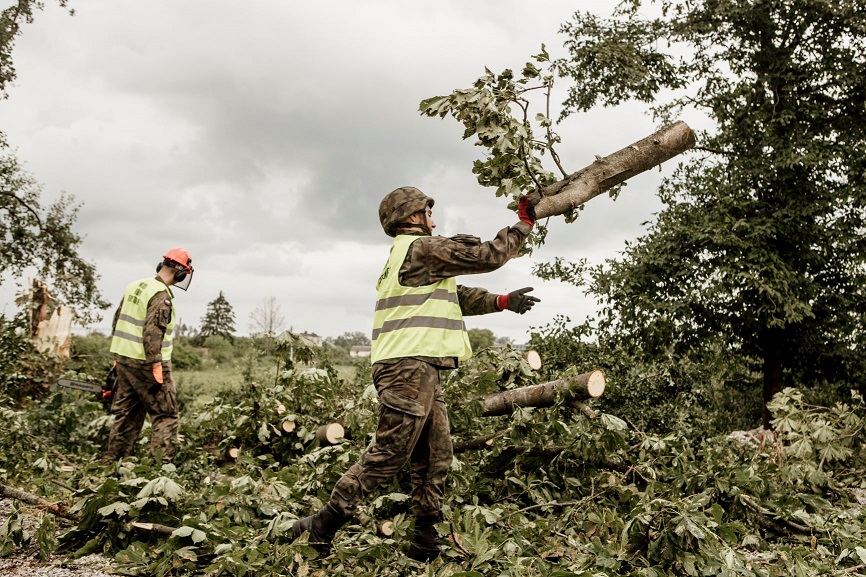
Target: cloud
{"points": [[262, 136]]}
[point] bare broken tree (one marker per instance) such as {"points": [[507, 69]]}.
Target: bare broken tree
{"points": [[267, 319]]}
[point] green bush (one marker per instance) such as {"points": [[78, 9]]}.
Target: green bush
{"points": [[184, 357], [25, 373], [556, 494], [91, 355]]}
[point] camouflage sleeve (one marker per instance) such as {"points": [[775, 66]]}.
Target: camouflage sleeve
{"points": [[476, 301], [434, 258], [157, 319]]}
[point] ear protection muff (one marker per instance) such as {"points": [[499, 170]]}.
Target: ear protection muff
{"points": [[179, 274]]}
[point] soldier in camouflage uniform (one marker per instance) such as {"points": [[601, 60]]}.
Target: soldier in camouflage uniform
{"points": [[418, 331], [142, 334]]}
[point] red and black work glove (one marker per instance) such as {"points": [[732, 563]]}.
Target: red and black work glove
{"points": [[517, 301], [525, 210]]}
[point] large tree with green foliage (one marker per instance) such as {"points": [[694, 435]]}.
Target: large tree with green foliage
{"points": [[759, 250], [33, 235], [219, 319], [762, 240]]}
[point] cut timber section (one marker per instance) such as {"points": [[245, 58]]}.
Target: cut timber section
{"points": [[386, 528], [607, 172], [330, 434], [533, 359], [586, 386]]}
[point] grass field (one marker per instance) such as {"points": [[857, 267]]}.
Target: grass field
{"points": [[214, 379]]}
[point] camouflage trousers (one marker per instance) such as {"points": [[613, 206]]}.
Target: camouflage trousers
{"points": [[413, 426], [135, 398]]}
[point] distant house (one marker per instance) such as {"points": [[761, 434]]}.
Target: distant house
{"points": [[312, 337], [360, 351]]}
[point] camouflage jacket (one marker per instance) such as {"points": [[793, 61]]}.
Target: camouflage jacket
{"points": [[434, 258], [155, 322]]}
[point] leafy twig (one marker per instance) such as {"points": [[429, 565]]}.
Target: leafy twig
{"points": [[767, 515], [550, 504]]}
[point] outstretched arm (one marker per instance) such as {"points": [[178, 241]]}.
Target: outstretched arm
{"points": [[434, 258]]}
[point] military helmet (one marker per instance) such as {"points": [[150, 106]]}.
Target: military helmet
{"points": [[400, 204]]}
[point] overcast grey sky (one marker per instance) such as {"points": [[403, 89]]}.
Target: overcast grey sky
{"points": [[261, 137]]}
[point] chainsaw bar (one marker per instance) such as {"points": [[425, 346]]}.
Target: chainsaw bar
{"points": [[81, 386]]}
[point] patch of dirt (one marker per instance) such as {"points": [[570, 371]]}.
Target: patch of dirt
{"points": [[29, 565], [26, 562]]}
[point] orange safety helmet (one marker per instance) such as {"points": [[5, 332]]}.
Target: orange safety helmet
{"points": [[180, 257]]}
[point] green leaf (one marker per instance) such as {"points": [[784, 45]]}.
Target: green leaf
{"points": [[118, 507]]}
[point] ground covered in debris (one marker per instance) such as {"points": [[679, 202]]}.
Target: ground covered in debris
{"points": [[554, 490], [26, 562]]}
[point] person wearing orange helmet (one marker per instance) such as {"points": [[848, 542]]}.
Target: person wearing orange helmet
{"points": [[142, 337]]}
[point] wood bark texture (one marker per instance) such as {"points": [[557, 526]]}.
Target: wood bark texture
{"points": [[582, 387], [607, 172], [484, 442], [155, 527], [58, 509]]}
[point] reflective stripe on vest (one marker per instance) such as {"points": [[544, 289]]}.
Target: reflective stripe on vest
{"points": [[423, 321], [128, 337]]}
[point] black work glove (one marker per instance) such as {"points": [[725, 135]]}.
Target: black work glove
{"points": [[517, 301]]}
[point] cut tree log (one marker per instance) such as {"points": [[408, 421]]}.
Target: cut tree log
{"points": [[330, 434], [607, 172], [58, 509], [533, 359], [586, 386], [386, 528]]}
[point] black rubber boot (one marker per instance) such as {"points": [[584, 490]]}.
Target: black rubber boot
{"points": [[425, 541], [321, 527]]}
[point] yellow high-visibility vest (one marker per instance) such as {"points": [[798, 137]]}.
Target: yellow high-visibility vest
{"points": [[128, 337], [424, 321]]}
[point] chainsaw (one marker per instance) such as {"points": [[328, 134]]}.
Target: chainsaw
{"points": [[105, 391]]}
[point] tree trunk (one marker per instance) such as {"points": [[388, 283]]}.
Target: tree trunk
{"points": [[585, 386], [772, 343], [607, 172]]}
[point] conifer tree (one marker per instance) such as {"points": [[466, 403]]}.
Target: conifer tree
{"points": [[219, 319]]}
